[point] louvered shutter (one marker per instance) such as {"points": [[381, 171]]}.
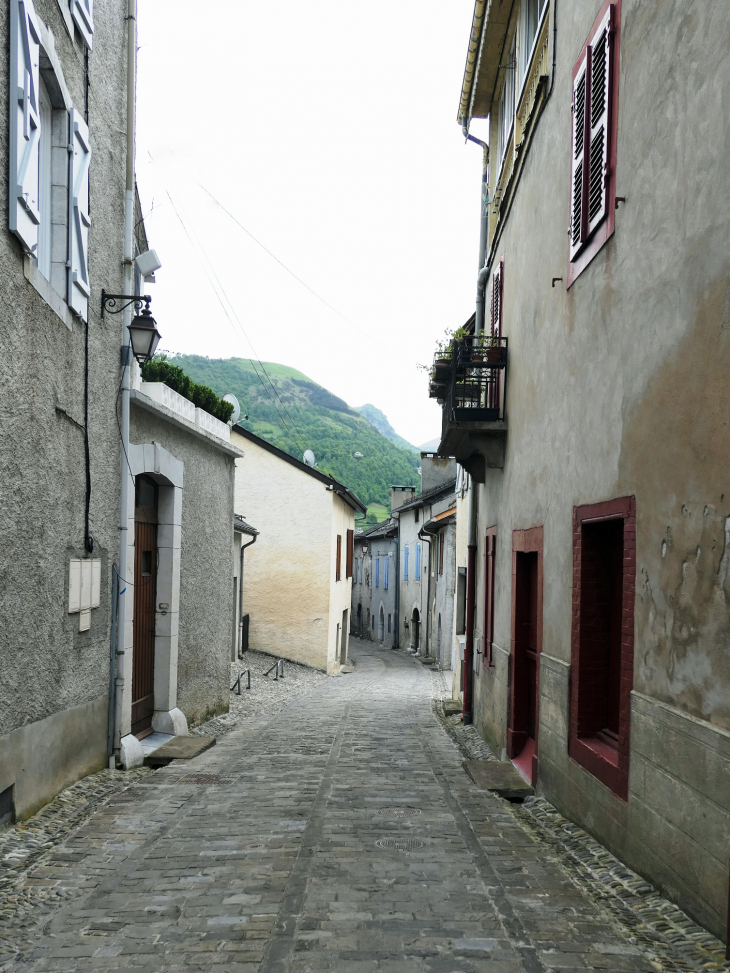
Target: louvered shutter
{"points": [[78, 215], [418, 562], [350, 552], [597, 122], [497, 290], [25, 123], [82, 12], [578, 173], [385, 573]]}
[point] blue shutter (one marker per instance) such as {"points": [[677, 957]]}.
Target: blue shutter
{"points": [[418, 562], [405, 564], [377, 572]]}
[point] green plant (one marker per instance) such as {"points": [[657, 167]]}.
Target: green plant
{"points": [[160, 370]]}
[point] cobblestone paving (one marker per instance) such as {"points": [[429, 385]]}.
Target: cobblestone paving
{"points": [[342, 835]]}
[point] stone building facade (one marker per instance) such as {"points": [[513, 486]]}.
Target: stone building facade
{"points": [[298, 576], [375, 584], [58, 506], [598, 447]]}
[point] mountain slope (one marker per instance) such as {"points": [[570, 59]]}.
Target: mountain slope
{"points": [[302, 415], [378, 419]]}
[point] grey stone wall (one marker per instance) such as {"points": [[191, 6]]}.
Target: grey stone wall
{"points": [[371, 597], [206, 557], [46, 665], [619, 387]]}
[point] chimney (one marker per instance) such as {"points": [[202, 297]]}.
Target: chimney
{"points": [[436, 470], [400, 495]]}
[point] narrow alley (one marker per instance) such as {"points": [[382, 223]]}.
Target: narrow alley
{"points": [[341, 835]]}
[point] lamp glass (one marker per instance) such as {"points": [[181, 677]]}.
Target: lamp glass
{"points": [[144, 336]]}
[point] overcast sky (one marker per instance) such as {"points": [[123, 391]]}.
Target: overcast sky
{"points": [[328, 130]]}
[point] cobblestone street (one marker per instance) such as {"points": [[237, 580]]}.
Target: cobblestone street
{"points": [[340, 835]]}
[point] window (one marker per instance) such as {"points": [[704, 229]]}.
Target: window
{"points": [[338, 561], [604, 566], [389, 623], [506, 110], [350, 553], [405, 563], [442, 538], [418, 562], [385, 573], [377, 572], [44, 183], [490, 548], [530, 17], [373, 623], [593, 142]]}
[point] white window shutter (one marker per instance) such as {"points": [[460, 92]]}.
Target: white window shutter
{"points": [[78, 215], [25, 123], [578, 225], [82, 12], [598, 122]]}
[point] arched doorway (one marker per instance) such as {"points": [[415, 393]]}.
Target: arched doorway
{"points": [[416, 629], [144, 593], [381, 625]]}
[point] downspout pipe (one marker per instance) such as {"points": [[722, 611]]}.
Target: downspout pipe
{"points": [[471, 564], [240, 594], [126, 475]]}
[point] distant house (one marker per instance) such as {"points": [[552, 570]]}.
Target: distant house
{"points": [[298, 580], [244, 535], [375, 584]]}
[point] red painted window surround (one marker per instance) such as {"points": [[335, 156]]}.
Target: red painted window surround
{"points": [[490, 555], [605, 230], [597, 696], [524, 542]]}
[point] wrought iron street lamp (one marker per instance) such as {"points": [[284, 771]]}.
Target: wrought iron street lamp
{"points": [[143, 334]]}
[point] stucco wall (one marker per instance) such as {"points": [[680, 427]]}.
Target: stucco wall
{"points": [[371, 597], [47, 666], [343, 519], [619, 387], [413, 593], [442, 596], [288, 570], [206, 551]]}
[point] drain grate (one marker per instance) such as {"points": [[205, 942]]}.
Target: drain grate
{"points": [[206, 779], [399, 844], [398, 812]]}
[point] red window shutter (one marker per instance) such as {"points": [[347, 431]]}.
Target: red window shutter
{"points": [[597, 120], [497, 290], [350, 552], [578, 171], [490, 547], [339, 557]]}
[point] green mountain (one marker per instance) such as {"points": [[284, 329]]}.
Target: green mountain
{"points": [[298, 414], [378, 419]]}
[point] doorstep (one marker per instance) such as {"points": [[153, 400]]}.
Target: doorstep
{"points": [[175, 748]]}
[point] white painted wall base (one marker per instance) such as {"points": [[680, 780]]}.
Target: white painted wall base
{"points": [[170, 721], [131, 753]]}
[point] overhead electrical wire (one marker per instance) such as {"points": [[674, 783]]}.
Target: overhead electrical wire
{"points": [[217, 286], [282, 264]]}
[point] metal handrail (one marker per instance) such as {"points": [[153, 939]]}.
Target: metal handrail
{"points": [[237, 684]]}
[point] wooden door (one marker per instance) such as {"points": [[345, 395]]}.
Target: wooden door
{"points": [[145, 598]]}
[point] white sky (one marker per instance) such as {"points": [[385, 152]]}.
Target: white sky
{"points": [[328, 130]]}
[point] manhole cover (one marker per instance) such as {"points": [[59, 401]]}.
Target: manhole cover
{"points": [[400, 844], [205, 779], [398, 812]]}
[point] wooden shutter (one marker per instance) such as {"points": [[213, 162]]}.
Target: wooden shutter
{"points": [[25, 123], [578, 172], [597, 121], [339, 557], [490, 549], [497, 290], [78, 215], [82, 12], [350, 553]]}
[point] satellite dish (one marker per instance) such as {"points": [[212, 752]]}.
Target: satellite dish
{"points": [[236, 414], [308, 457]]}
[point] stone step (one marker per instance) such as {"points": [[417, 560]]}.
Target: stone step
{"points": [[179, 748], [499, 776]]}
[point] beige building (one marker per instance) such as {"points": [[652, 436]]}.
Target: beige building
{"points": [[298, 577]]}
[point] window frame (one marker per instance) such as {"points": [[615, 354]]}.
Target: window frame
{"points": [[604, 230], [533, 43], [508, 134], [350, 553], [608, 766], [338, 559]]}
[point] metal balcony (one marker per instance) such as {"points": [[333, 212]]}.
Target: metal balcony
{"points": [[470, 383]]}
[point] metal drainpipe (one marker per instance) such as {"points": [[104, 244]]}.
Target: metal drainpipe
{"points": [[467, 708], [240, 592], [126, 476]]}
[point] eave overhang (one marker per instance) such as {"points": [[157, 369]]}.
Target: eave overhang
{"points": [[483, 59]]}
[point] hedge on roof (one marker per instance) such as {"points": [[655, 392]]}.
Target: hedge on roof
{"points": [[175, 378]]}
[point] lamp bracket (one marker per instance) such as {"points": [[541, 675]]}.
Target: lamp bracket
{"points": [[109, 302]]}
